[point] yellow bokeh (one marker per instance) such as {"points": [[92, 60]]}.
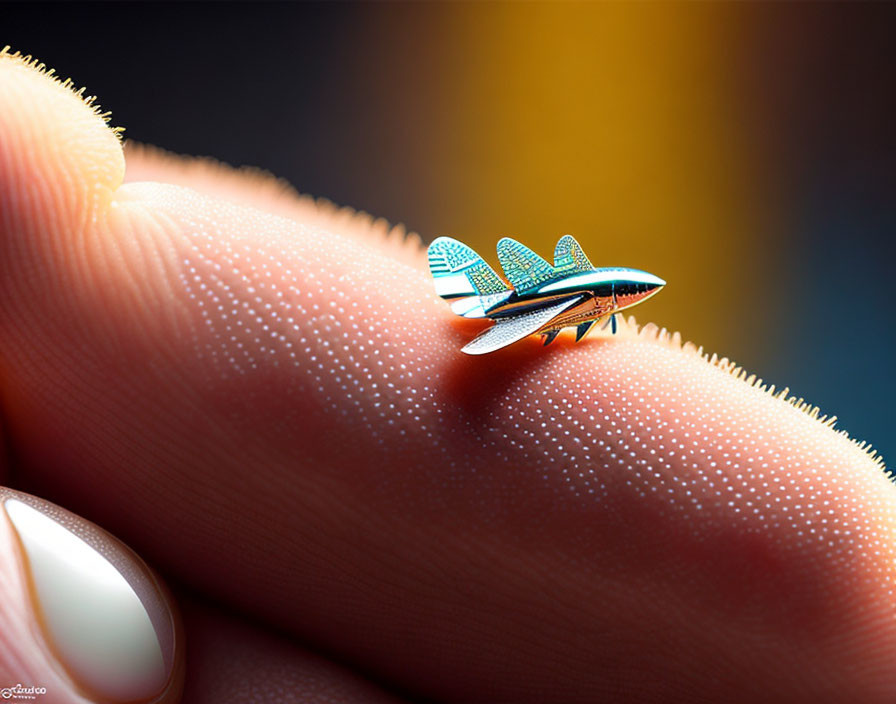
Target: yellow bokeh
{"points": [[617, 123]]}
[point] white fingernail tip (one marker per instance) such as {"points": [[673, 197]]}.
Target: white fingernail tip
{"points": [[95, 620]]}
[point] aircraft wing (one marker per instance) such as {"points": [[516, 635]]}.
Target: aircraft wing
{"points": [[508, 330]]}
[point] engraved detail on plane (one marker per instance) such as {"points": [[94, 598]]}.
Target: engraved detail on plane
{"points": [[540, 298]]}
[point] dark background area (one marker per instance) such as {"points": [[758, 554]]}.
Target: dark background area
{"points": [[742, 152]]}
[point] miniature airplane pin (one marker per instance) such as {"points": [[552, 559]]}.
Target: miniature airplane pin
{"points": [[541, 298]]}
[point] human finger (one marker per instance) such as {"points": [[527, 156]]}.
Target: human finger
{"points": [[284, 397], [82, 618]]}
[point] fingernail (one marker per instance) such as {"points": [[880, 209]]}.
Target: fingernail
{"points": [[103, 614]]}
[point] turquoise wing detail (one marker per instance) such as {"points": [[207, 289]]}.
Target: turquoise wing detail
{"points": [[569, 257], [459, 271], [524, 269]]}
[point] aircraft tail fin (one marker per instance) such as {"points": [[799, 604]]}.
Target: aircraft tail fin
{"points": [[569, 257], [460, 272], [524, 269]]}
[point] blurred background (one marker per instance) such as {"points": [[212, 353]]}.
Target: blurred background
{"points": [[743, 152]]}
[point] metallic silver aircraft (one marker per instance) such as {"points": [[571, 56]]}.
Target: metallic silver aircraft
{"points": [[541, 298]]}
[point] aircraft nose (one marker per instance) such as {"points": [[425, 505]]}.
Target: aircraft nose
{"points": [[640, 286], [646, 283], [654, 282]]}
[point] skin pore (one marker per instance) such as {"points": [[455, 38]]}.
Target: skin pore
{"points": [[263, 397]]}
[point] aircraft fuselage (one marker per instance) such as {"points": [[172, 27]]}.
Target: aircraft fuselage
{"points": [[605, 291]]}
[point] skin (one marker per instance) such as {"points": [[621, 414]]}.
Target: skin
{"points": [[265, 398]]}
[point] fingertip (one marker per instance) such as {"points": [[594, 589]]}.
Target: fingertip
{"points": [[84, 617], [60, 162]]}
